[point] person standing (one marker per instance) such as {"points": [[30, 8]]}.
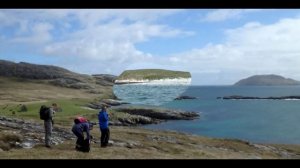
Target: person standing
{"points": [[103, 122], [47, 114]]}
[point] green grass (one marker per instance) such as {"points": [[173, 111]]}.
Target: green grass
{"points": [[152, 74], [70, 109]]}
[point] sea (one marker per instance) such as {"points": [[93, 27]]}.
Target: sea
{"points": [[258, 121]]}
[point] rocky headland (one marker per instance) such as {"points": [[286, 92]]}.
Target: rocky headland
{"points": [[153, 76]]}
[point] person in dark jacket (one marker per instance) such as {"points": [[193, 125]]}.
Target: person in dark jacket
{"points": [[48, 124], [83, 141], [103, 122]]}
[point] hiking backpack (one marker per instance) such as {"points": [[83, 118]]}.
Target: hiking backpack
{"points": [[44, 112], [82, 119]]}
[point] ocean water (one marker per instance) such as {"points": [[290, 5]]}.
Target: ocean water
{"points": [[260, 121], [148, 94]]}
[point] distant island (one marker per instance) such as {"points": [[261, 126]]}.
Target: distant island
{"points": [[154, 76], [266, 80]]}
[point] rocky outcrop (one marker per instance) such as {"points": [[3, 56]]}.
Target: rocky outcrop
{"points": [[135, 120], [107, 102], [266, 80], [105, 79], [112, 102], [236, 97], [185, 97], [31, 133], [128, 115], [159, 113]]}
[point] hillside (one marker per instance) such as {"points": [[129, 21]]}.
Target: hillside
{"points": [[25, 82], [266, 80], [54, 75], [33, 71], [145, 75]]}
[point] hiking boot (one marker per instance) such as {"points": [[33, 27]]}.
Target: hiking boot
{"points": [[103, 145]]}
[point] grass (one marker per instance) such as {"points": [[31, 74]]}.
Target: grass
{"points": [[152, 74], [70, 109], [7, 139], [14, 90], [149, 144]]}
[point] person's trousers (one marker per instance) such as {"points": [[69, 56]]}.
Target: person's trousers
{"points": [[104, 136], [48, 132], [82, 144]]}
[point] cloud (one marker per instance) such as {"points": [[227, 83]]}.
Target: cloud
{"points": [[104, 41], [226, 14], [39, 34], [104, 36], [252, 49]]}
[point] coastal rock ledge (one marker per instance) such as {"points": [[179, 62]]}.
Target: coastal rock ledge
{"points": [[159, 113]]}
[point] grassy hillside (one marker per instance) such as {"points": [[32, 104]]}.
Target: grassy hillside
{"points": [[18, 90], [151, 74]]}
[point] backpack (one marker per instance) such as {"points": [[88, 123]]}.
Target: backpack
{"points": [[44, 112], [81, 119]]}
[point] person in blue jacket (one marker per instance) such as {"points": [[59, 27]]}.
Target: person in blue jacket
{"points": [[103, 122], [83, 142]]}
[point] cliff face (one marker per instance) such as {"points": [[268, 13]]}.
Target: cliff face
{"points": [[153, 76], [267, 80]]}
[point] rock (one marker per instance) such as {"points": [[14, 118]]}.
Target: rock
{"points": [[116, 123], [112, 102], [29, 134], [23, 108], [94, 106], [110, 143], [185, 97], [27, 145], [120, 144], [237, 97], [159, 113], [105, 79], [163, 138]]}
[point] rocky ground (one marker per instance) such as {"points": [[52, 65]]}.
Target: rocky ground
{"points": [[18, 136], [31, 133]]}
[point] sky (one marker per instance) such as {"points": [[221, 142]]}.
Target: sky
{"points": [[217, 46]]}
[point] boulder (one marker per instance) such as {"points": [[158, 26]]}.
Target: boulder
{"points": [[185, 97]]}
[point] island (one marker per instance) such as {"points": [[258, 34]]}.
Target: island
{"points": [[266, 80]]}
